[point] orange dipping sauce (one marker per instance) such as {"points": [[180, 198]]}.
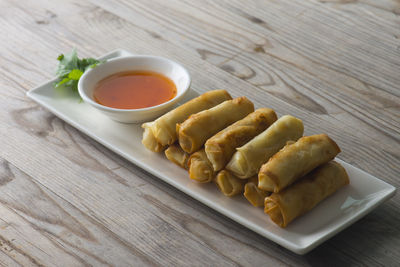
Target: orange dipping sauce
{"points": [[134, 90]]}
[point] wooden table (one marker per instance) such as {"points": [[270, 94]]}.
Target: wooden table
{"points": [[67, 200]]}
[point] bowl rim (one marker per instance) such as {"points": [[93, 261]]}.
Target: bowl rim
{"points": [[86, 98]]}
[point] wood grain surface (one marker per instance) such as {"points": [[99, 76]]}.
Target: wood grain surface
{"points": [[65, 200]]}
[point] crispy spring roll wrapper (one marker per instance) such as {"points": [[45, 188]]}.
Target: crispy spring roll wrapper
{"points": [[229, 184], [247, 160], [195, 131], [162, 132], [297, 199], [220, 147], [200, 168], [176, 154], [295, 160], [253, 194]]}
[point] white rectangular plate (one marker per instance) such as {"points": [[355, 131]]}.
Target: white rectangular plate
{"points": [[345, 207]]}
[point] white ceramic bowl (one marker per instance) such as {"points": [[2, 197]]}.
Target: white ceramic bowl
{"points": [[176, 72]]}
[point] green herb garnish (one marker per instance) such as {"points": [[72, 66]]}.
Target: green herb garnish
{"points": [[70, 69]]}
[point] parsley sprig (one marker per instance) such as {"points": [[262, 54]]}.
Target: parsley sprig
{"points": [[70, 69]]}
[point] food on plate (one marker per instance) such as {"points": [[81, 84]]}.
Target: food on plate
{"points": [[162, 132], [134, 90], [176, 154], [217, 138], [229, 184], [302, 196], [248, 159], [253, 194], [194, 131], [70, 69], [200, 168], [295, 160], [220, 147]]}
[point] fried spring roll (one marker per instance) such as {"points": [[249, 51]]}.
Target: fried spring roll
{"points": [[229, 184], [195, 131], [296, 160], [253, 194], [221, 146], [176, 154], [200, 168], [162, 132], [247, 160], [297, 199]]}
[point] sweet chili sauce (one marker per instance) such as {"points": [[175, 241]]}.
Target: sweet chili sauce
{"points": [[134, 90]]}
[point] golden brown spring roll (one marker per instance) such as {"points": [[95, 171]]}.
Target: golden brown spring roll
{"points": [[302, 196], [162, 132], [220, 147], [253, 194], [295, 160], [200, 168], [247, 160], [176, 154], [229, 184], [195, 131]]}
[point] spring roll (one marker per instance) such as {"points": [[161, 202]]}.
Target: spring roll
{"points": [[220, 147], [297, 199], [195, 131], [200, 168], [162, 132], [253, 194], [176, 154], [229, 184], [295, 160], [247, 160]]}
